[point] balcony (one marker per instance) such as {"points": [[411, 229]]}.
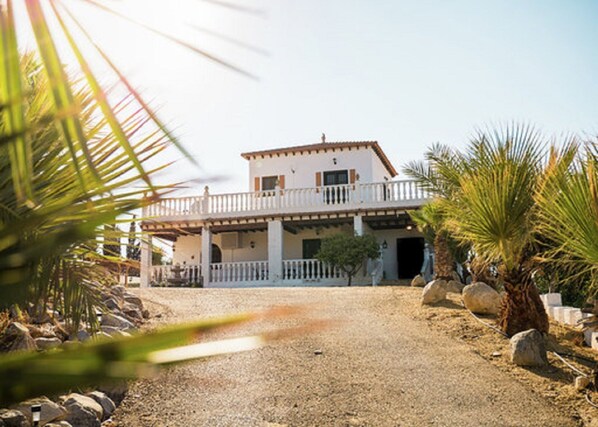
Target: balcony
{"points": [[391, 194]]}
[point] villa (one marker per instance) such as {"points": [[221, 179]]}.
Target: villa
{"points": [[269, 236]]}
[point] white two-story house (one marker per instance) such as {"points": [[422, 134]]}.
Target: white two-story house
{"points": [[297, 196]]}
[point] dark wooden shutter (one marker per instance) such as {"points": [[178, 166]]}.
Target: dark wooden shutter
{"points": [[352, 176], [281, 182], [256, 183], [318, 181]]}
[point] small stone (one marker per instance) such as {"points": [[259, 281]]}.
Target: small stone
{"points": [[83, 335], [581, 383], [145, 313], [318, 352], [434, 292], [109, 319], [114, 332], [59, 424], [418, 281], [17, 338], [118, 290], [496, 354], [527, 348], [50, 411], [134, 299], [82, 410], [47, 343], [112, 304], [13, 418]]}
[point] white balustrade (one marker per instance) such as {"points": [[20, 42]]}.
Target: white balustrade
{"points": [[283, 200], [243, 271], [309, 269]]}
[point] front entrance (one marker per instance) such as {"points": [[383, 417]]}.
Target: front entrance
{"points": [[410, 257]]}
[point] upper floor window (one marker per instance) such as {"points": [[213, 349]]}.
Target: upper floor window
{"points": [[269, 183], [339, 177]]}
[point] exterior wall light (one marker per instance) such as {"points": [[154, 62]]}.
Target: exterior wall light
{"points": [[384, 244], [36, 414], [252, 244], [334, 160], [409, 227]]}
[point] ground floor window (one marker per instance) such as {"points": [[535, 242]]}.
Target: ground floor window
{"points": [[311, 248]]}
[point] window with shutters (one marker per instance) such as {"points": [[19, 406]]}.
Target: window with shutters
{"points": [[336, 181], [269, 183]]}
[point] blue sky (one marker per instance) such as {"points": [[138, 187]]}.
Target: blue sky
{"points": [[404, 73]]}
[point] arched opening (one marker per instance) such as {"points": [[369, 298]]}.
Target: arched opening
{"points": [[216, 254]]}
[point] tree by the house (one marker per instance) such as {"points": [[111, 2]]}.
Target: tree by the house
{"points": [[133, 249], [348, 252], [111, 246]]}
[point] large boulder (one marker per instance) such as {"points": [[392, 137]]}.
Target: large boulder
{"points": [[434, 292], [105, 402], [454, 286], [481, 298], [527, 348], [418, 281], [50, 411], [109, 319], [13, 418], [47, 343], [82, 411], [17, 338]]}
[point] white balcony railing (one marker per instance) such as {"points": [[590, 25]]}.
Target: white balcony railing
{"points": [[391, 193]]}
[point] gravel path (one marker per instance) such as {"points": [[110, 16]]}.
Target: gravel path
{"points": [[378, 367]]}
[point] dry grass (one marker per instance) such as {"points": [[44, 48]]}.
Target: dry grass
{"points": [[553, 382]]}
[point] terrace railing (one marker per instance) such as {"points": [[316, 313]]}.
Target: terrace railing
{"points": [[243, 271], [189, 273], [391, 193]]}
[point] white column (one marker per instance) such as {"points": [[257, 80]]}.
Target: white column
{"points": [[275, 245], [358, 225], [145, 264], [206, 255]]}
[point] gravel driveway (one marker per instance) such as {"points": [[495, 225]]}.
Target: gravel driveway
{"points": [[378, 367]]}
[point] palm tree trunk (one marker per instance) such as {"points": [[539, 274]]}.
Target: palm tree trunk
{"points": [[444, 263], [522, 309]]}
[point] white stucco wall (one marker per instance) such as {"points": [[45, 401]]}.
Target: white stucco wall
{"points": [[187, 248], [300, 169]]}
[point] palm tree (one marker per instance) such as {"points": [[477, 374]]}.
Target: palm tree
{"points": [[568, 214], [494, 210], [439, 174], [430, 221]]}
